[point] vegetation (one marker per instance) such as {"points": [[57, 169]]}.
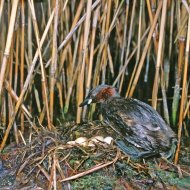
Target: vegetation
{"points": [[53, 52]]}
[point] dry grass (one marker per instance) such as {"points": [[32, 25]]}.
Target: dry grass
{"points": [[53, 52]]}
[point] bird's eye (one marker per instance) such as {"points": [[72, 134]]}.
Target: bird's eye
{"points": [[94, 99]]}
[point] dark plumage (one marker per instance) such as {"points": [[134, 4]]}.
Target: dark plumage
{"points": [[142, 130]]}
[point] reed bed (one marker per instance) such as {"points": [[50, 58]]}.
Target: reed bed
{"points": [[53, 52]]}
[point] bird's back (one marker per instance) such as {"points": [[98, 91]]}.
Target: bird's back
{"points": [[138, 123]]}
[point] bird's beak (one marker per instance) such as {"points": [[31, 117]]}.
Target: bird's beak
{"points": [[87, 101]]}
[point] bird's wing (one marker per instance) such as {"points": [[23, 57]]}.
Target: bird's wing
{"points": [[139, 123]]}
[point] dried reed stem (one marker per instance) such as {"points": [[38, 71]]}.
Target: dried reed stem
{"points": [[184, 90], [54, 59], [8, 43], [84, 51], [159, 60], [145, 49]]}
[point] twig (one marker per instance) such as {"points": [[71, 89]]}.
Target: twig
{"points": [[95, 168]]}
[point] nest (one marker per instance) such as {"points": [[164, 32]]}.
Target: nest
{"points": [[49, 159]]}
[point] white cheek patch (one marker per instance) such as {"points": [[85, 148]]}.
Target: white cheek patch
{"points": [[89, 101]]}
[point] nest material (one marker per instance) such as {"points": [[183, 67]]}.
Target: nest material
{"points": [[48, 161]]}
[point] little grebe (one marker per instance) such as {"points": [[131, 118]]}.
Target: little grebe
{"points": [[143, 131]]}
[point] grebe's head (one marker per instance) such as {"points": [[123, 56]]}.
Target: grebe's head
{"points": [[100, 94]]}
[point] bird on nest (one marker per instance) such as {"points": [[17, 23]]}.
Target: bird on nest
{"points": [[141, 130]]}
